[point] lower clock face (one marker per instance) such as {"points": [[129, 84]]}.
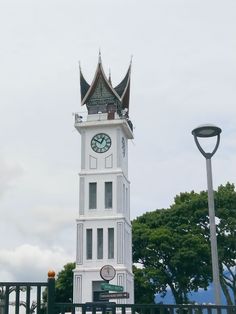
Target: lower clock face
{"points": [[107, 272], [101, 142]]}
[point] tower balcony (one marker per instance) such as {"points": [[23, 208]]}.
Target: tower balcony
{"points": [[104, 115]]}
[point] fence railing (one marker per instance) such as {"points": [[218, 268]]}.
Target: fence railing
{"points": [[27, 297], [113, 308]]}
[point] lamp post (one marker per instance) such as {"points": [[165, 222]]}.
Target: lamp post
{"points": [[206, 131]]}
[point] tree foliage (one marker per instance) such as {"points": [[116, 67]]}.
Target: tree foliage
{"points": [[64, 284], [144, 290], [173, 246], [226, 211]]}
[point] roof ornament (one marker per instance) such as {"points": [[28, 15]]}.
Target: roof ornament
{"points": [[118, 95], [131, 59]]}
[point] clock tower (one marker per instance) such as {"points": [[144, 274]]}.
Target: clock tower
{"points": [[103, 224]]}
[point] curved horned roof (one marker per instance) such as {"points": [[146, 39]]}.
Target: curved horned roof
{"points": [[101, 91]]}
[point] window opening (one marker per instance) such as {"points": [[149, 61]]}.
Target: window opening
{"points": [[92, 195], [110, 243], [89, 243], [108, 194]]}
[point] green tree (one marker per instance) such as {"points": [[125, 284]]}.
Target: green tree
{"points": [[64, 284], [226, 211], [171, 253], [144, 290], [173, 244], [225, 206]]}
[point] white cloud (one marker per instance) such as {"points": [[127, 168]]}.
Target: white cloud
{"points": [[30, 263], [10, 172]]}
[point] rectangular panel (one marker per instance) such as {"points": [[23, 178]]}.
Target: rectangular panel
{"points": [[124, 198], [118, 147], [81, 196], [119, 194], [79, 253], [77, 291], [109, 161], [92, 162], [83, 145], [128, 246], [121, 282], [120, 279], [120, 243], [127, 200]]}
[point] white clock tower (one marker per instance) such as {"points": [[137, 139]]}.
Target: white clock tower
{"points": [[103, 225]]}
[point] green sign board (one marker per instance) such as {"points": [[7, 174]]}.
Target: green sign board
{"points": [[117, 295], [109, 287]]}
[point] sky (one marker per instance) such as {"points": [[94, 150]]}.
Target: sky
{"points": [[183, 75]]}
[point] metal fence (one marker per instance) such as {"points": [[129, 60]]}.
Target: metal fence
{"points": [[23, 297], [113, 308], [27, 297]]}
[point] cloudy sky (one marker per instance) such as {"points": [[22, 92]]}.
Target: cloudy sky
{"points": [[183, 75]]}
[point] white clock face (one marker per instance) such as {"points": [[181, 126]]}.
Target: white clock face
{"points": [[107, 272], [101, 142]]}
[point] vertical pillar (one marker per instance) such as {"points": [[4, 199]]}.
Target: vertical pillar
{"points": [[51, 292], [213, 240]]}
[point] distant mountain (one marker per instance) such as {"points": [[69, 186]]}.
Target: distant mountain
{"points": [[199, 297]]}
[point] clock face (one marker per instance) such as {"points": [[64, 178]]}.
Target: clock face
{"points": [[101, 142], [107, 272]]}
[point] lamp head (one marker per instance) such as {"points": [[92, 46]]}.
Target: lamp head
{"points": [[206, 130]]}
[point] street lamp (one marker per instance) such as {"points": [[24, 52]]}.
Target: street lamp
{"points": [[206, 131]]}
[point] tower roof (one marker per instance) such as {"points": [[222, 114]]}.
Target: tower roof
{"points": [[102, 93]]}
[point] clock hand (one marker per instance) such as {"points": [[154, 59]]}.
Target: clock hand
{"points": [[102, 139], [97, 141]]}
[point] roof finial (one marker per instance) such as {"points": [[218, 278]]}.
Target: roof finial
{"points": [[99, 56], [79, 65], [131, 59]]}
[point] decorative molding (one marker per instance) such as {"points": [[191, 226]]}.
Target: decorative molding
{"points": [[120, 279], [118, 147], [121, 282], [77, 297], [120, 243], [83, 150], [81, 195], [106, 171], [128, 246], [79, 252], [123, 198], [109, 161], [92, 162], [82, 126], [119, 194]]}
